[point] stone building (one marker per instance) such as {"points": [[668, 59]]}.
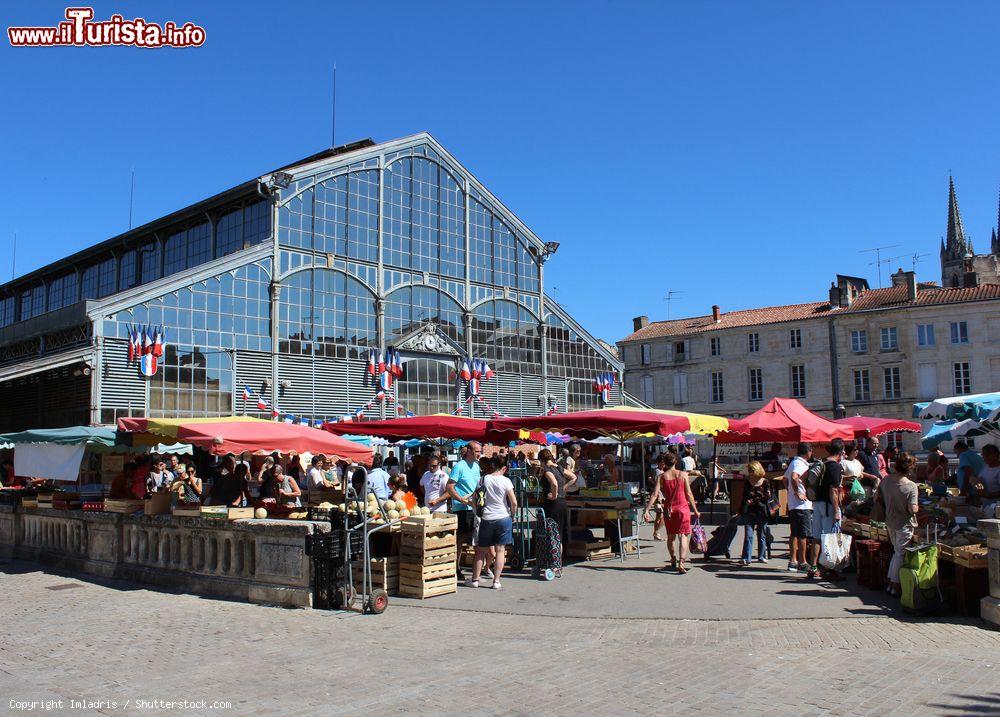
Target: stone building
{"points": [[861, 351]]}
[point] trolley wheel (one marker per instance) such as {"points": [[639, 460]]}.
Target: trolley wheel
{"points": [[378, 601], [343, 597], [516, 562], [549, 574]]}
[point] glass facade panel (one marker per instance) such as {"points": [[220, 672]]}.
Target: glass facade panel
{"points": [[571, 355], [507, 335], [322, 310], [63, 291], [409, 308], [229, 311], [106, 277], [428, 386], [126, 271], [7, 311], [151, 264], [192, 382]]}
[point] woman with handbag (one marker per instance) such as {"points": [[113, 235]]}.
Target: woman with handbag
{"points": [[678, 507], [496, 504], [754, 512]]}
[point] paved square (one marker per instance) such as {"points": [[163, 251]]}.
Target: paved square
{"points": [[722, 639]]}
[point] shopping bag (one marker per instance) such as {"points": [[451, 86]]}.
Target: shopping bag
{"points": [[835, 551], [857, 491], [699, 543]]}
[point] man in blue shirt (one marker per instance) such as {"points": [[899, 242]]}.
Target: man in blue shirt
{"points": [[378, 479], [462, 483], [969, 465]]}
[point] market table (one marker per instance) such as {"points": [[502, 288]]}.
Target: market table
{"points": [[619, 506]]}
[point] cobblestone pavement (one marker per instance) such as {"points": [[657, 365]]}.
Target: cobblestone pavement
{"points": [[111, 641]]}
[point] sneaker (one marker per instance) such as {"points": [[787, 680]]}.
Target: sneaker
{"points": [[470, 583], [745, 561], [793, 568], [488, 573], [496, 585], [812, 572], [803, 567], [761, 560]]}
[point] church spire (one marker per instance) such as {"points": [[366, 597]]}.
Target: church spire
{"points": [[955, 243], [995, 242]]}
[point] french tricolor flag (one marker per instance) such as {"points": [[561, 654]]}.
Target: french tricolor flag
{"points": [[466, 372], [246, 394], [262, 404]]}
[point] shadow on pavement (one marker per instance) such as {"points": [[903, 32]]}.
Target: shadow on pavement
{"points": [[976, 704]]}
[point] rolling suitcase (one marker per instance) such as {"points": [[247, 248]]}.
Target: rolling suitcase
{"points": [[548, 548], [722, 538]]}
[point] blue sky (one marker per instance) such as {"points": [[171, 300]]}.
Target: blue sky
{"points": [[742, 153]]}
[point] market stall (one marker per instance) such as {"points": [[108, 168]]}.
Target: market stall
{"points": [[613, 503], [782, 420], [432, 427], [870, 426]]}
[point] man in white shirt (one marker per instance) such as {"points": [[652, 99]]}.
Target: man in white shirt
{"points": [[316, 478], [800, 509], [434, 482]]}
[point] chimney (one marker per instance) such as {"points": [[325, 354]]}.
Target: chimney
{"points": [[716, 313], [911, 285], [899, 278], [834, 296], [640, 322]]}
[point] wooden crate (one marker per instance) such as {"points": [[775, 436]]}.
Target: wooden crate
{"points": [[432, 556], [123, 506], [971, 556], [427, 588], [385, 574], [417, 574], [429, 524], [589, 551], [468, 556], [238, 513]]}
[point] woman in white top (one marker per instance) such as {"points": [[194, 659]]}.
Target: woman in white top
{"points": [[851, 465], [496, 524]]}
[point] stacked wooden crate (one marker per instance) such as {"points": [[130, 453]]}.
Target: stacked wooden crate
{"points": [[385, 574], [427, 553]]}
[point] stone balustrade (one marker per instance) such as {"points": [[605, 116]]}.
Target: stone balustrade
{"points": [[257, 560]]}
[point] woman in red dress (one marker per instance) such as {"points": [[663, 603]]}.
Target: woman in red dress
{"points": [[678, 506]]}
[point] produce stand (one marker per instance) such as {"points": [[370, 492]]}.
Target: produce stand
{"points": [[616, 508]]}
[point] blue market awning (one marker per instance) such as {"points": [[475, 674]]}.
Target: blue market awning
{"points": [[977, 406], [952, 430], [71, 436]]}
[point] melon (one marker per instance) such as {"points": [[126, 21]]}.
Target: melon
{"points": [[389, 505], [260, 513], [425, 511], [404, 513], [393, 515], [325, 505]]}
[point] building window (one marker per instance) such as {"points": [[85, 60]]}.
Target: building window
{"points": [[106, 277], [62, 291], [925, 334], [862, 385], [962, 372], [150, 262], [753, 343], [680, 388], [32, 302], [859, 342], [755, 380], [682, 350], [798, 381], [718, 391], [890, 341], [715, 346], [890, 376], [7, 311], [795, 339], [644, 352], [174, 253], [894, 440], [126, 270], [959, 332], [647, 390], [88, 284]]}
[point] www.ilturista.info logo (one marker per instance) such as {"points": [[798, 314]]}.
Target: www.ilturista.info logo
{"points": [[81, 30]]}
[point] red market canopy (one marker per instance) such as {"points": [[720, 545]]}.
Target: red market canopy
{"points": [[866, 426], [619, 422], [437, 425], [787, 421], [240, 434]]}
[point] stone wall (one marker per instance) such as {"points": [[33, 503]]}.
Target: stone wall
{"points": [[262, 561], [989, 606]]}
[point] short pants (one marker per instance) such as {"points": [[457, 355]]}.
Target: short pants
{"points": [[494, 533], [801, 523], [466, 524], [822, 520]]}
